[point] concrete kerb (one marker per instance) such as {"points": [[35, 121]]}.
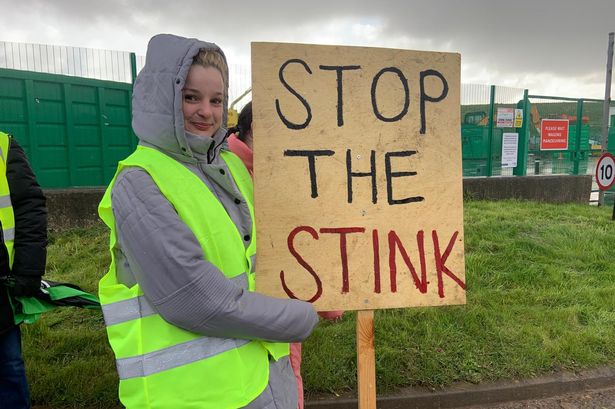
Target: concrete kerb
{"points": [[71, 208], [467, 394]]}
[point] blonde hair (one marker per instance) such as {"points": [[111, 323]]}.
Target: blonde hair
{"points": [[212, 58]]}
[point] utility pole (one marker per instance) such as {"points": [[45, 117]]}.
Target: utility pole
{"points": [[606, 106]]}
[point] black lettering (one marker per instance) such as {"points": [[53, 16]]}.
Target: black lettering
{"points": [[390, 175], [350, 174], [311, 155], [425, 97], [339, 69], [289, 124], [404, 82]]}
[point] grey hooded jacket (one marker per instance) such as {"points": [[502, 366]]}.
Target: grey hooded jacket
{"points": [[157, 250]]}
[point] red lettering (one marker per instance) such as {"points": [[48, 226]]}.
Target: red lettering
{"points": [[304, 264], [395, 242], [343, 231], [441, 260], [376, 247]]}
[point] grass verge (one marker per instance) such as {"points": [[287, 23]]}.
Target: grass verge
{"points": [[540, 298]]}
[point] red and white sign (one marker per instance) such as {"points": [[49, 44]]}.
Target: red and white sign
{"points": [[553, 134], [505, 117], [605, 171]]}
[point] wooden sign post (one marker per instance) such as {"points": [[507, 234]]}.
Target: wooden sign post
{"points": [[366, 360], [358, 183]]}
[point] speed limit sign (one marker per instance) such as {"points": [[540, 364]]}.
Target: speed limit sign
{"points": [[605, 171]]}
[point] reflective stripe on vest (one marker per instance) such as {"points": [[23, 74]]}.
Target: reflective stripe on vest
{"points": [[177, 355], [9, 235], [5, 201], [127, 310], [168, 358], [161, 365], [7, 217]]}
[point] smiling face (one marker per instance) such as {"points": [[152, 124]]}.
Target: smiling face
{"points": [[203, 98]]}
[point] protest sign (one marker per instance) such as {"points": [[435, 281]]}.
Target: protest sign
{"points": [[358, 178]]}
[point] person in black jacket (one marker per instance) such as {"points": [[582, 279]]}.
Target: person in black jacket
{"points": [[24, 278]]}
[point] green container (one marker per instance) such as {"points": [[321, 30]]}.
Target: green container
{"points": [[74, 130]]}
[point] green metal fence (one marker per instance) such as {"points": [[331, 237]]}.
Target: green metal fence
{"points": [[584, 118], [70, 109], [481, 132], [484, 125], [106, 65], [74, 130]]}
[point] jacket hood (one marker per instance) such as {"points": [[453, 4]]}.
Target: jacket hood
{"points": [[157, 117]]}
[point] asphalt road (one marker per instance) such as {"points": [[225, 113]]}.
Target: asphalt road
{"points": [[589, 389], [591, 399]]}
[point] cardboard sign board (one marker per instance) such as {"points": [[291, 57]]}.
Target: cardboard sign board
{"points": [[553, 134], [358, 182]]}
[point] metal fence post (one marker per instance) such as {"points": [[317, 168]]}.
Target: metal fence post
{"points": [[524, 140], [133, 67], [490, 132], [606, 108], [133, 73], [577, 145]]}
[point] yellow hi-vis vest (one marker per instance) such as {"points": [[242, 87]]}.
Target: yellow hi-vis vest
{"points": [[7, 218], [161, 365]]}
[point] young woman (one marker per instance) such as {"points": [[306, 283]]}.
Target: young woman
{"points": [[186, 327]]}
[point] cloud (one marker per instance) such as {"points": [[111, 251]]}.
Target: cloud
{"points": [[527, 43]]}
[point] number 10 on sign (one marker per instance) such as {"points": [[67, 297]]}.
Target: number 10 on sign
{"points": [[605, 171]]}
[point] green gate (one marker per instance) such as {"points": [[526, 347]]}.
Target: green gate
{"points": [[73, 129]]}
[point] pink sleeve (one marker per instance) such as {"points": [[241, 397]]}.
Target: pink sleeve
{"points": [[331, 315]]}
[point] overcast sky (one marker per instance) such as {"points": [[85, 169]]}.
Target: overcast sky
{"points": [[551, 47]]}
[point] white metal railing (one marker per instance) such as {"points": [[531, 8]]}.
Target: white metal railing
{"points": [[96, 64], [115, 66], [65, 60]]}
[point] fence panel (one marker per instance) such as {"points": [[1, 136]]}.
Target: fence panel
{"points": [[475, 108], [74, 130], [584, 133], [72, 61], [481, 135], [70, 108], [91, 63]]}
